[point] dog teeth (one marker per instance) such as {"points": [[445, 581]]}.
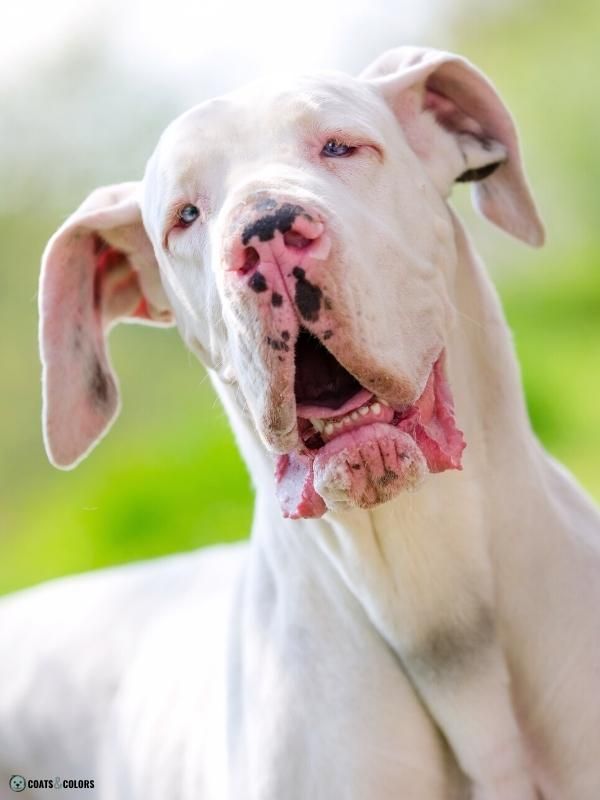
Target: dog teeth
{"points": [[328, 427]]}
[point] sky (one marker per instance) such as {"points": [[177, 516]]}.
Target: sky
{"points": [[170, 39], [91, 83]]}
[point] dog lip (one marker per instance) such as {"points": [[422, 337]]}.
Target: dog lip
{"points": [[362, 433]]}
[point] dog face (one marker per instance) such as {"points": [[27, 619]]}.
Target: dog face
{"points": [[304, 246], [17, 783], [319, 242]]}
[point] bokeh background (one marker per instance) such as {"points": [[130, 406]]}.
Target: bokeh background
{"points": [[86, 88]]}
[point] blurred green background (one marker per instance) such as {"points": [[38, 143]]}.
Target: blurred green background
{"points": [[168, 477]]}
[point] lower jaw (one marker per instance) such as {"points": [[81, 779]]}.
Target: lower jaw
{"points": [[369, 470], [372, 464]]}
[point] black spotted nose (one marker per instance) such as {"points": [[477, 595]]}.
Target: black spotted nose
{"points": [[284, 230]]}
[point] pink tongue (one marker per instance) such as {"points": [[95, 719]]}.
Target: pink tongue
{"points": [[430, 424]]}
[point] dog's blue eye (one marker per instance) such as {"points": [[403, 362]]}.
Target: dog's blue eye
{"points": [[335, 149], [188, 214]]}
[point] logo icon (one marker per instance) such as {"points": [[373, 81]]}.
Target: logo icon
{"points": [[17, 783]]}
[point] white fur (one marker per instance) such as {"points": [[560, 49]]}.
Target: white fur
{"points": [[323, 659]]}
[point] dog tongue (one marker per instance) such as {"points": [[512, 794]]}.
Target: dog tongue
{"points": [[428, 427]]}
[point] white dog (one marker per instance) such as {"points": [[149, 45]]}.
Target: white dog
{"points": [[388, 633]]}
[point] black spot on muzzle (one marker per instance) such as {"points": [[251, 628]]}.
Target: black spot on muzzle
{"points": [[258, 282], [277, 344], [308, 296], [265, 227]]}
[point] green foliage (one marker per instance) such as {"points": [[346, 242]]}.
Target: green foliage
{"points": [[555, 316]]}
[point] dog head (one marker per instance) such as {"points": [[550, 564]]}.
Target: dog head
{"points": [[298, 233]]}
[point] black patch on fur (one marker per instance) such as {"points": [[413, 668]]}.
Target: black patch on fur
{"points": [[285, 335], [388, 477], [258, 282], [478, 174], [355, 466], [327, 304], [77, 337], [265, 227], [277, 345], [99, 384], [327, 334], [308, 296], [276, 299], [449, 650]]}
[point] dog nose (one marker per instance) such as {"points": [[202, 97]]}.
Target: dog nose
{"points": [[282, 232]]}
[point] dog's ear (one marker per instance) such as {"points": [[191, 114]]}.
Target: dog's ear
{"points": [[98, 268], [457, 124]]}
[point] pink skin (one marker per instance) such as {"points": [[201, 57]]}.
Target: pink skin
{"points": [[370, 461], [303, 239], [295, 487], [270, 264]]}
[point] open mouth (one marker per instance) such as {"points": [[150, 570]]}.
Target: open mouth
{"points": [[356, 449]]}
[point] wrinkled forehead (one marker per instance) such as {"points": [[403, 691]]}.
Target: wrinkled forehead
{"points": [[261, 121]]}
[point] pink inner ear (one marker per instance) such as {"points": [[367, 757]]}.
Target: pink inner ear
{"points": [[117, 290], [107, 259], [142, 311], [449, 114]]}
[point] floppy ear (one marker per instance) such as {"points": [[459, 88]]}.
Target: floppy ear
{"points": [[457, 124], [97, 269]]}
